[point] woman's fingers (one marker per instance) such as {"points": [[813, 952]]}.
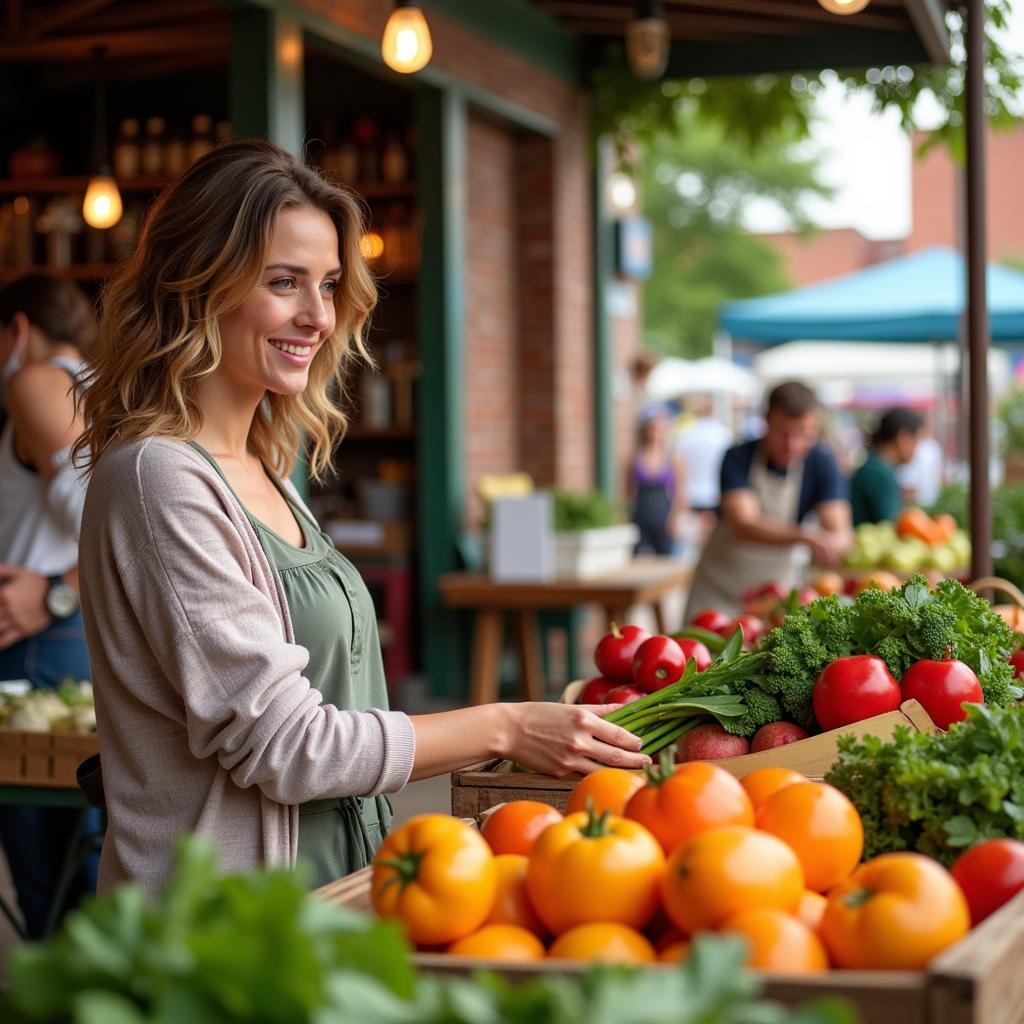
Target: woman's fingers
{"points": [[616, 735]]}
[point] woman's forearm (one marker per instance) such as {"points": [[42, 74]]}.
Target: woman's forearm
{"points": [[450, 740]]}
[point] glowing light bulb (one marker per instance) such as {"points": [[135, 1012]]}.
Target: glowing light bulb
{"points": [[102, 206], [844, 6], [371, 245], [406, 46], [621, 192]]}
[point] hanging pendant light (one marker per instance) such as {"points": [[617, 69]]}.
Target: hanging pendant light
{"points": [[844, 6], [102, 206], [647, 41], [406, 45]]}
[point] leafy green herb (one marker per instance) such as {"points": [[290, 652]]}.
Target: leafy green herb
{"points": [[938, 794], [256, 948]]}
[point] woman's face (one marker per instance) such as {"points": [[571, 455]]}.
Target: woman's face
{"points": [[269, 341]]}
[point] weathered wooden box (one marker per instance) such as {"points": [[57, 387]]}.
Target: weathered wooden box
{"points": [[43, 758]]}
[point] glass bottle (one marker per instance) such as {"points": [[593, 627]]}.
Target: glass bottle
{"points": [[126, 155], [175, 153], [394, 161], [222, 132], [153, 147], [364, 133], [202, 137]]}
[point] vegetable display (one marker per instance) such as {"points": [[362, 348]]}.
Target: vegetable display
{"points": [[812, 669], [69, 708], [938, 794], [255, 948]]}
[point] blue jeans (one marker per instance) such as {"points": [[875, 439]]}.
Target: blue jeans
{"points": [[36, 839]]}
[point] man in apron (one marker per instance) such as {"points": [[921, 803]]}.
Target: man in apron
{"points": [[770, 486]]}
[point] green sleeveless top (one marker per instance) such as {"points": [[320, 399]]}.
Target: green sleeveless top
{"points": [[334, 619]]}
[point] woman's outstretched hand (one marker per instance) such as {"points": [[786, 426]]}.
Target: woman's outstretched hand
{"points": [[560, 739]]}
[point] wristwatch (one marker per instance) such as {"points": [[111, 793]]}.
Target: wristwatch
{"points": [[61, 598]]}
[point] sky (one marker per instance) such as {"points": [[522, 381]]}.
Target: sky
{"points": [[867, 160]]}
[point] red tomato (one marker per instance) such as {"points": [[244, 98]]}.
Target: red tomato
{"points": [[990, 874], [1017, 661], [695, 650], [596, 690], [614, 653], [942, 687], [807, 595], [625, 694], [658, 663], [853, 688], [710, 618], [751, 626]]}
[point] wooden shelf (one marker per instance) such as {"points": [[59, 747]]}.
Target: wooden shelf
{"points": [[77, 272], [380, 189], [47, 186]]}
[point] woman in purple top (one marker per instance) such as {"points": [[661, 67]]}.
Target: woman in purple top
{"points": [[657, 487]]}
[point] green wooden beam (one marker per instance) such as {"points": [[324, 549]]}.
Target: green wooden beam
{"points": [[521, 27], [267, 101], [603, 271], [441, 119]]}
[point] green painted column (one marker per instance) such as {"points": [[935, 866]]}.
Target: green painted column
{"points": [[603, 271], [441, 117], [267, 99]]}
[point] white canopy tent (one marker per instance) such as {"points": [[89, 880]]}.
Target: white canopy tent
{"points": [[673, 378]]}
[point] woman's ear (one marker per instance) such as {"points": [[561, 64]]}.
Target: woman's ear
{"points": [[22, 328]]}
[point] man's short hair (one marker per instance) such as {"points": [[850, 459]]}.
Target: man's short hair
{"points": [[792, 399]]}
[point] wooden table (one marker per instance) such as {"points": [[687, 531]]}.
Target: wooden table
{"points": [[645, 581]]}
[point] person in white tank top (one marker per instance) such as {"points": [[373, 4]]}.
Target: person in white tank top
{"points": [[44, 324]]}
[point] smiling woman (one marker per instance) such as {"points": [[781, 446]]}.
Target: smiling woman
{"points": [[237, 670]]}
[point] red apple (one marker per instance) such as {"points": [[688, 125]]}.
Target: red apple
{"points": [[695, 650], [711, 618], [709, 743], [1017, 661], [625, 694], [596, 690], [776, 734]]}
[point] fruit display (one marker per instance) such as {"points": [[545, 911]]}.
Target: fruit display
{"points": [[69, 708], [774, 860], [914, 542]]}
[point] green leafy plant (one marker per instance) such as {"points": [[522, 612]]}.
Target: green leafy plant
{"points": [[1010, 411], [257, 948], [583, 510], [941, 793]]}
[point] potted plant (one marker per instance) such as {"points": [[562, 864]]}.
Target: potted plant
{"points": [[590, 537]]}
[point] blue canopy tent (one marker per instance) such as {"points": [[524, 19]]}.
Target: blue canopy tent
{"points": [[919, 297]]}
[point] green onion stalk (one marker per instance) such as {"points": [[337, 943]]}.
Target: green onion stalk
{"points": [[663, 717]]}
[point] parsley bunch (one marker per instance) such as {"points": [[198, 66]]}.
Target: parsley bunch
{"points": [[938, 793]]}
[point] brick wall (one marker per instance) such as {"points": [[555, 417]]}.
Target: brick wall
{"points": [[492, 307]]}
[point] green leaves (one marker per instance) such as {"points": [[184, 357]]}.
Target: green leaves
{"points": [[938, 794]]}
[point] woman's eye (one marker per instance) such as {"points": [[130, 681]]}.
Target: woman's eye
{"points": [[331, 286], [283, 283]]}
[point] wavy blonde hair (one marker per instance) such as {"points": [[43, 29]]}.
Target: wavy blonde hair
{"points": [[201, 251]]}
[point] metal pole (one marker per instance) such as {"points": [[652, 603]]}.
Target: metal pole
{"points": [[977, 305]]}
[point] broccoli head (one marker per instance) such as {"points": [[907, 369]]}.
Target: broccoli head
{"points": [[761, 708]]}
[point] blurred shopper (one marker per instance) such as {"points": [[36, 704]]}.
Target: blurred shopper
{"points": [[702, 445], [240, 688], [921, 478], [657, 487], [770, 487], [875, 493], [45, 322]]}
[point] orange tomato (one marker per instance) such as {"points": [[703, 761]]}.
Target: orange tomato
{"points": [[609, 788], [514, 827], [762, 783], [680, 801], [820, 825], [915, 522], [826, 583], [605, 941], [879, 578], [511, 902], [499, 942], [946, 524], [895, 912], [675, 954], [811, 909], [1012, 615], [436, 876], [595, 868], [720, 872], [778, 941]]}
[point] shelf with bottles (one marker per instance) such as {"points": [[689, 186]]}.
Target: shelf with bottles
{"points": [[76, 185]]}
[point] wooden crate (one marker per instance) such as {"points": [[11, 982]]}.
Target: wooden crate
{"points": [[478, 787], [977, 981], [43, 758]]}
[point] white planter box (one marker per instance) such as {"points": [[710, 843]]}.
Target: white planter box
{"points": [[590, 553]]}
